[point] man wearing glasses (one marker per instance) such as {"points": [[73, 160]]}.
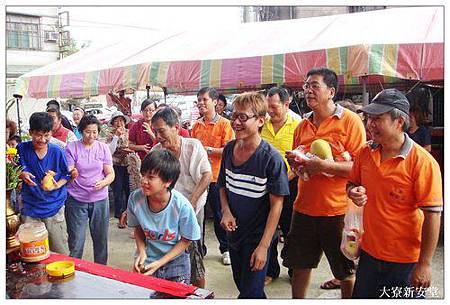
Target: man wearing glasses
{"points": [[321, 204], [214, 131]]}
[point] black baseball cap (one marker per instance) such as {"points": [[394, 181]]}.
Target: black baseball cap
{"points": [[385, 101]]}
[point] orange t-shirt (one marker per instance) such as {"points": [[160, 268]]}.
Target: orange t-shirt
{"points": [[214, 134], [322, 195], [397, 189]]}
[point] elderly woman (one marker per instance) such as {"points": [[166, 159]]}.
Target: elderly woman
{"points": [[77, 114], [126, 164], [140, 135], [90, 165]]}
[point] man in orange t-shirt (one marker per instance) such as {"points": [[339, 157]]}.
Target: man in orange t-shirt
{"points": [[214, 131], [399, 184], [321, 203]]}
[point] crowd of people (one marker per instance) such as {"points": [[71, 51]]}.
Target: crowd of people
{"points": [[244, 165]]}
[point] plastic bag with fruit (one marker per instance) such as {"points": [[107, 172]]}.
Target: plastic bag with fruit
{"points": [[352, 232]]}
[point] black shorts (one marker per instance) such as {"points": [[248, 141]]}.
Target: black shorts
{"points": [[309, 237]]}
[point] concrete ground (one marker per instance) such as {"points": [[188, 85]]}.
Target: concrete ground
{"points": [[219, 277]]}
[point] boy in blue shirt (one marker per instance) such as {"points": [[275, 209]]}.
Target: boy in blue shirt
{"points": [[253, 182], [163, 219], [40, 203]]}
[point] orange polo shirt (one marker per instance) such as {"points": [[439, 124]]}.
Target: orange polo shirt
{"points": [[214, 134], [398, 189], [322, 195]]}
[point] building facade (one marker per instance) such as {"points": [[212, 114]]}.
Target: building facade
{"points": [[32, 41], [271, 13]]}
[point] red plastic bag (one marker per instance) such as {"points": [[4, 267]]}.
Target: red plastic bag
{"points": [[352, 232]]}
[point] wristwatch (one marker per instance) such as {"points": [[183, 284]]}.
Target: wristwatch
{"points": [[209, 150]]}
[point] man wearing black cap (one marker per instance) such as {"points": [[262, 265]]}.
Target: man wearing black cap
{"points": [[399, 184], [64, 120]]}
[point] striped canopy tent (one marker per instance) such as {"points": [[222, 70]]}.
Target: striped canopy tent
{"points": [[378, 46]]}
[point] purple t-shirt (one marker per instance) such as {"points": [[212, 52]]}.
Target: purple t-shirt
{"points": [[89, 163]]}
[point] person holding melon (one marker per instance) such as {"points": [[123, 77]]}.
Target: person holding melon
{"points": [[321, 204], [44, 177]]}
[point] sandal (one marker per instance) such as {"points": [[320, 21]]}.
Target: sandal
{"points": [[331, 284], [122, 221]]}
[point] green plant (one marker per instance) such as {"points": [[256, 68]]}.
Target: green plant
{"points": [[13, 169]]}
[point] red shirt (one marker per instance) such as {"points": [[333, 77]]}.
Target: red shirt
{"points": [[61, 133], [138, 136], [184, 132]]}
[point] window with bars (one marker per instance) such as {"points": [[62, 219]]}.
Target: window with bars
{"points": [[22, 32]]}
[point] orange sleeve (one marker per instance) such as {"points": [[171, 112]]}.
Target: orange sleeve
{"points": [[228, 133], [296, 141], [358, 136], [194, 130], [355, 173], [428, 182]]}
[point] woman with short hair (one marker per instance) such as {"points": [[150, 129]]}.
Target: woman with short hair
{"points": [[90, 165]]}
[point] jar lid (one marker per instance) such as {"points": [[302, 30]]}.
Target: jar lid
{"points": [[61, 268], [32, 226]]}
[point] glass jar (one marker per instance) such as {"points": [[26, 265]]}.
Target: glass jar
{"points": [[33, 238]]}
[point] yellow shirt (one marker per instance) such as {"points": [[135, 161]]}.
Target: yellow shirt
{"points": [[283, 139]]}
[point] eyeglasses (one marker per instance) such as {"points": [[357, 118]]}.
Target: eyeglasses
{"points": [[243, 117], [314, 86]]}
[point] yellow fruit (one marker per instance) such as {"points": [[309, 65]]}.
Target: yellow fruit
{"points": [[321, 149], [351, 247], [48, 180]]}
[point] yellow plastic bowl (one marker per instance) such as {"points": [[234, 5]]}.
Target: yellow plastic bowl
{"points": [[61, 269]]}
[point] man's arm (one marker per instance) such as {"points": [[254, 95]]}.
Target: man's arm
{"points": [[421, 276], [201, 186], [228, 222], [259, 256], [316, 165]]}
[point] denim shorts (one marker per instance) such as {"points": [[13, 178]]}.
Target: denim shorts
{"points": [[177, 270], [309, 237]]}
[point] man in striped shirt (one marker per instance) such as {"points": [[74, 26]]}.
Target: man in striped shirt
{"points": [[252, 183]]}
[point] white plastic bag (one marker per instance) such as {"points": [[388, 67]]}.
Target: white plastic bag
{"points": [[352, 232]]}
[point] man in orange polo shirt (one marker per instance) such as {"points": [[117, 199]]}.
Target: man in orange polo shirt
{"points": [[320, 206], [214, 131], [399, 184]]}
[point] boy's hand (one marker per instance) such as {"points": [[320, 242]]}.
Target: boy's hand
{"points": [[74, 173], [258, 258], [139, 262], [228, 222], [26, 177], [358, 195], [151, 268]]}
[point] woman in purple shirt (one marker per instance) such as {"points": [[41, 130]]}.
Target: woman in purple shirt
{"points": [[90, 165]]}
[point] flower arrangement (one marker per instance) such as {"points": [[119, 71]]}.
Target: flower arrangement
{"points": [[13, 169]]}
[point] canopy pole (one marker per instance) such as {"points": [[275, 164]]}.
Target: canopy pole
{"points": [[18, 98], [147, 87], [365, 94]]}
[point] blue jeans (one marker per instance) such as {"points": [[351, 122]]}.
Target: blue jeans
{"points": [[121, 189], [77, 215], [249, 283], [380, 279], [213, 200]]}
